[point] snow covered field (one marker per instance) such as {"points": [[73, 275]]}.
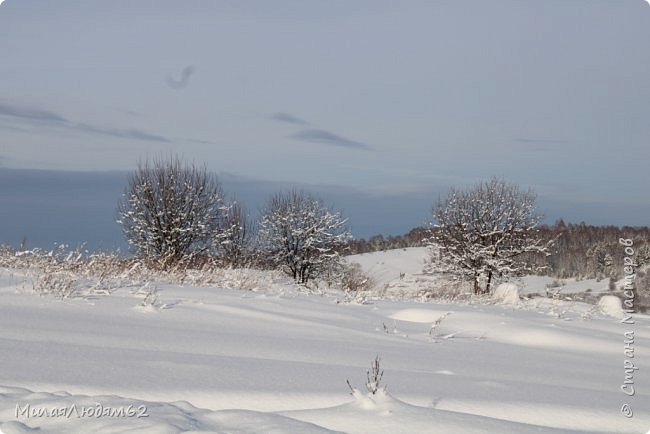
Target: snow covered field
{"points": [[276, 360]]}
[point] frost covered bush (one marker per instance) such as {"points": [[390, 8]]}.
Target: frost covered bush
{"points": [[151, 297], [61, 284], [373, 378], [173, 212], [301, 236], [66, 273], [353, 279], [435, 327]]}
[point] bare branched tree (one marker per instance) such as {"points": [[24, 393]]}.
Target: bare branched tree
{"points": [[298, 233], [172, 211], [483, 232]]}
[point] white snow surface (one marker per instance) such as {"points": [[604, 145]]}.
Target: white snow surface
{"points": [[276, 361], [386, 266]]}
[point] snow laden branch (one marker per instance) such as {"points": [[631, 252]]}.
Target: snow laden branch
{"points": [[485, 232], [300, 235]]}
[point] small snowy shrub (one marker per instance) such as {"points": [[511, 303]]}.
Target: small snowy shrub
{"points": [[355, 280], [151, 298], [442, 288], [64, 273], [61, 284], [373, 378], [506, 293], [433, 331]]}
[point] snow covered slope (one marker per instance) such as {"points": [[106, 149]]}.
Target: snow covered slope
{"points": [[402, 268], [216, 360]]}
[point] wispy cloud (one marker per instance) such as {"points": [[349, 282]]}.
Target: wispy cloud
{"points": [[291, 119], [30, 113], [183, 81], [328, 138], [46, 117], [314, 135], [123, 134]]}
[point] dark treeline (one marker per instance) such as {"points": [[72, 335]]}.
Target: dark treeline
{"points": [[585, 251], [414, 238]]}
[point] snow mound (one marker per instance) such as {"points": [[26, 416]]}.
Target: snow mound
{"points": [[611, 305], [379, 413], [507, 293], [380, 401], [13, 427], [66, 413], [382, 413]]}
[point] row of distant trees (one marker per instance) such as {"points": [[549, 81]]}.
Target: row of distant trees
{"points": [[176, 214], [592, 252], [416, 237]]}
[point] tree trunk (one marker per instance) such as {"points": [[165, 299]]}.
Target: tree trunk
{"points": [[489, 282]]}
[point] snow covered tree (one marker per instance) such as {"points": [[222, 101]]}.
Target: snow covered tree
{"points": [[485, 232], [599, 260], [300, 235], [171, 211]]}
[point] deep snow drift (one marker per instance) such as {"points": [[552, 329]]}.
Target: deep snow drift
{"points": [[277, 360]]}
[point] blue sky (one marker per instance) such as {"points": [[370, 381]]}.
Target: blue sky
{"points": [[376, 99]]}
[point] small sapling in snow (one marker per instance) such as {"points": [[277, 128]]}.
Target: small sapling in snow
{"points": [[433, 331], [373, 378]]}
